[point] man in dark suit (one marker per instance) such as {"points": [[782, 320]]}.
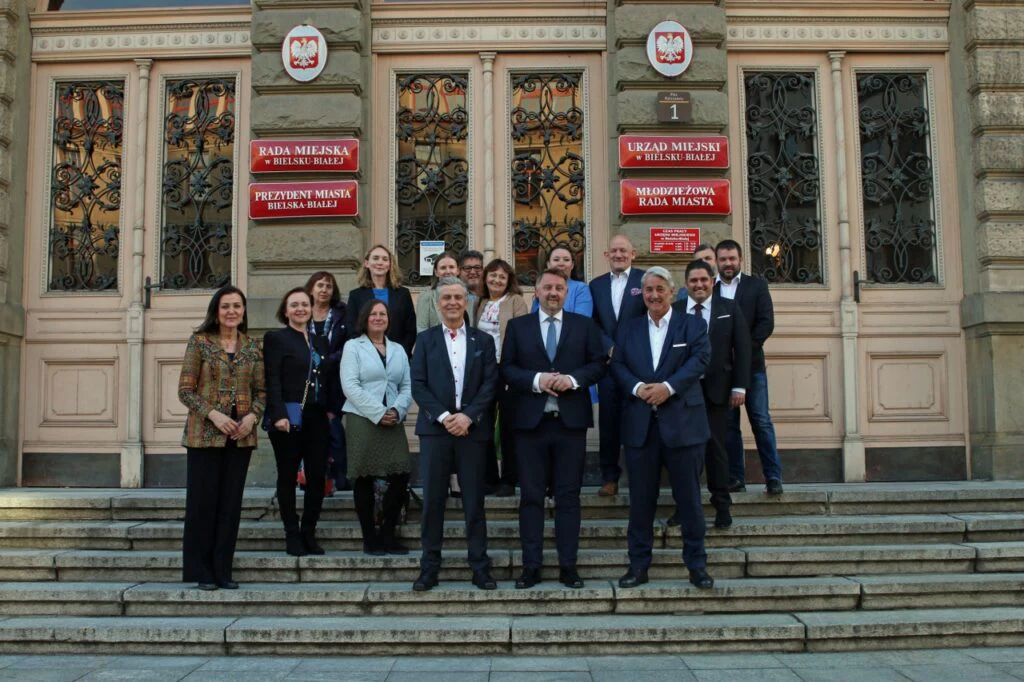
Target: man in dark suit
{"points": [[658, 362], [725, 380], [617, 299], [751, 295], [454, 381], [549, 359]]}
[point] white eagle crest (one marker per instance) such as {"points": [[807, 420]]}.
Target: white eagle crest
{"points": [[304, 52], [670, 47]]}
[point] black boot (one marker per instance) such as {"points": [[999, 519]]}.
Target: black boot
{"points": [[362, 496], [309, 541], [293, 544], [394, 498]]}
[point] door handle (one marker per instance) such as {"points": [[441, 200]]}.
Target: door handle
{"points": [[857, 281], [147, 292]]}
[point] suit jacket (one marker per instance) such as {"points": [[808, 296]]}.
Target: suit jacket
{"points": [[286, 359], [577, 299], [730, 350], [373, 387], [604, 313], [682, 419], [400, 311], [433, 384], [579, 354], [755, 302]]}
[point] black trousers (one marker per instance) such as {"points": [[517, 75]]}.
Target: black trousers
{"points": [[215, 482], [554, 448], [609, 418], [509, 474], [307, 446], [391, 505], [716, 457], [438, 457]]}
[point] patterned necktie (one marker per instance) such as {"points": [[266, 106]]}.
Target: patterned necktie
{"points": [[698, 310], [551, 342], [453, 333]]}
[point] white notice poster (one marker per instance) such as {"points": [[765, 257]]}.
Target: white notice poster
{"points": [[429, 252]]}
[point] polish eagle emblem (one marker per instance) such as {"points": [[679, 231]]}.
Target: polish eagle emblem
{"points": [[305, 52], [670, 48]]}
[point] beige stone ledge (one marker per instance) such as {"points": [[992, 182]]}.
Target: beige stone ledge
{"points": [[991, 66], [320, 113], [634, 22], [995, 196], [998, 109], [287, 244], [870, 36], [338, 25], [709, 66], [1000, 240], [638, 108], [534, 36], [344, 71], [231, 41], [998, 152], [987, 25]]}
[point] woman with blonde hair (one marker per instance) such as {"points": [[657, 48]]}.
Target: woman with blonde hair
{"points": [[380, 278]]}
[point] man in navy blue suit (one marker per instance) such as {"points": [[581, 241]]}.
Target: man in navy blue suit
{"points": [[549, 359], [658, 362], [454, 380], [617, 299]]}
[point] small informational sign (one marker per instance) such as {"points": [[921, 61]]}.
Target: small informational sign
{"points": [[674, 239], [679, 197], [321, 199], [674, 107], [669, 48], [673, 151], [304, 53], [294, 156], [430, 251]]}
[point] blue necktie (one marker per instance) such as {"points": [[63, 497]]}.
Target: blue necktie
{"points": [[551, 342]]}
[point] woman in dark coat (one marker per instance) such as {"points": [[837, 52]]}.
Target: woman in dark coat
{"points": [[380, 278]]}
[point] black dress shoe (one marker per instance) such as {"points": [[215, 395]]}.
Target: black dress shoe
{"points": [[227, 584], [484, 580], [293, 545], [633, 578], [701, 579], [529, 578], [426, 581], [374, 548], [774, 486], [723, 519], [310, 543], [207, 587], [570, 578], [736, 486]]}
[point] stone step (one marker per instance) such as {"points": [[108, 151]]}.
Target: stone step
{"points": [[859, 560], [999, 556], [970, 590], [504, 534]]}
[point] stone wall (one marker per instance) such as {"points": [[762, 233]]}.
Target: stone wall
{"points": [[987, 63], [15, 65], [633, 87]]}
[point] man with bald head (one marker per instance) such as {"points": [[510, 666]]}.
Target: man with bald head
{"points": [[617, 299]]}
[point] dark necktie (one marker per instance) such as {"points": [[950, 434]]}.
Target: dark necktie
{"points": [[551, 342], [698, 310]]}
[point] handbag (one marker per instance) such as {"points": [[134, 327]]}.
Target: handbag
{"points": [[294, 410]]}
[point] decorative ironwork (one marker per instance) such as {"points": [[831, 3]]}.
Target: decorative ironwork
{"points": [[85, 186], [548, 173], [432, 166], [198, 184], [784, 192], [897, 177]]}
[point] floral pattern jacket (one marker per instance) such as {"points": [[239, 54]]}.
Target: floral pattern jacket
{"points": [[211, 381]]}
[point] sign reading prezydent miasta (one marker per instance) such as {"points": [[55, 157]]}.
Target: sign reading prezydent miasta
{"points": [[323, 199], [294, 156], [673, 151], [681, 197]]}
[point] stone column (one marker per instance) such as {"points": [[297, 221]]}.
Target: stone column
{"points": [[987, 65], [633, 85], [15, 78], [487, 59]]}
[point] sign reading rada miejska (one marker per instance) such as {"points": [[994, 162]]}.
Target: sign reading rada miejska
{"points": [[319, 199], [683, 197], [673, 151], [293, 156]]}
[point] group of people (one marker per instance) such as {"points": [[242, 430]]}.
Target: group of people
{"points": [[505, 400]]}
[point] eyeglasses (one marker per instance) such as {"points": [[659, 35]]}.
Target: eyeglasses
{"points": [[473, 268]]}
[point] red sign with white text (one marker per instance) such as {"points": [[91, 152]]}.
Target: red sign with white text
{"points": [[293, 156], [674, 239], [326, 199], [673, 151], [680, 197]]}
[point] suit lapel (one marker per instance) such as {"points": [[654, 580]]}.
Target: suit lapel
{"points": [[564, 332], [604, 284], [444, 353], [667, 346], [470, 352], [645, 342], [629, 299]]}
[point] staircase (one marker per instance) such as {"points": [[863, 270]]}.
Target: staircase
{"points": [[820, 568]]}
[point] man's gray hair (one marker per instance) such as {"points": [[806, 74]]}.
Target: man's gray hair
{"points": [[658, 271], [453, 282]]}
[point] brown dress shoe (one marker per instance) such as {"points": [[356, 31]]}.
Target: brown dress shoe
{"points": [[609, 489]]}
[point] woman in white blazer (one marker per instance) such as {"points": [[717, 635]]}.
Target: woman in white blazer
{"points": [[378, 394]]}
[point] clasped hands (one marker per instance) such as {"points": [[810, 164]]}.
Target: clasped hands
{"points": [[236, 430], [457, 424], [653, 394], [554, 383]]}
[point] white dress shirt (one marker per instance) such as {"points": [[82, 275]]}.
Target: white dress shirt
{"points": [[657, 332], [552, 403], [618, 283], [706, 314], [457, 357], [728, 290]]}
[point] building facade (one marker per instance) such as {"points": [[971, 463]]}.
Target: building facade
{"points": [[875, 161]]}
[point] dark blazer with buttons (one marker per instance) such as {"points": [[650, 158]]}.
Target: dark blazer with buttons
{"points": [[682, 420], [580, 354], [755, 302], [604, 312], [433, 384], [286, 359], [729, 335]]}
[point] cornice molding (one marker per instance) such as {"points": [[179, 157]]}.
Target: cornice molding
{"points": [[882, 35], [183, 41], [485, 36]]}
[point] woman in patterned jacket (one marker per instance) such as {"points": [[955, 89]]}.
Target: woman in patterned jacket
{"points": [[222, 384]]}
